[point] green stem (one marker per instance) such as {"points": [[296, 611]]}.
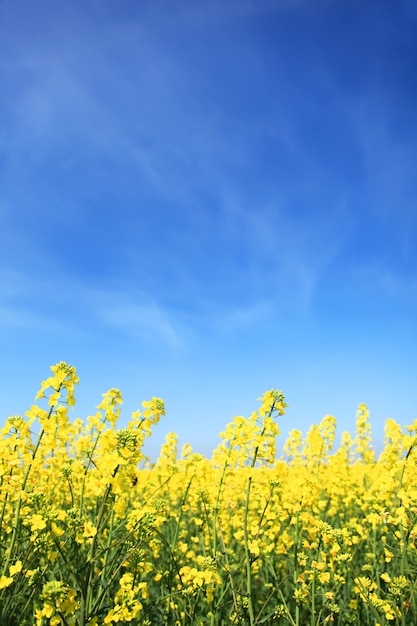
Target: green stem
{"points": [[313, 600], [88, 589], [177, 527], [248, 556], [16, 524], [216, 506], [87, 467]]}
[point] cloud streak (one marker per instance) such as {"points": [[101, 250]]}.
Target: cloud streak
{"points": [[143, 320]]}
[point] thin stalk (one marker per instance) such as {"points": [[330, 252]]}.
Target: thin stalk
{"points": [[313, 600], [16, 525], [216, 506], [229, 572], [88, 587], [177, 527], [90, 462], [290, 617], [248, 556]]}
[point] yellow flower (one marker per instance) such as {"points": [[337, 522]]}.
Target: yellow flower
{"points": [[324, 577], [57, 530], [89, 530], [37, 522], [5, 581], [16, 568], [388, 555]]}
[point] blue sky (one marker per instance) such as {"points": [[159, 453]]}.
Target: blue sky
{"points": [[204, 200]]}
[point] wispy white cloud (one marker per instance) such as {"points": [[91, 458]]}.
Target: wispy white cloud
{"points": [[285, 255], [70, 307], [143, 319], [123, 98], [235, 319], [380, 283]]}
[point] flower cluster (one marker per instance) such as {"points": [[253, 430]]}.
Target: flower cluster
{"points": [[93, 534]]}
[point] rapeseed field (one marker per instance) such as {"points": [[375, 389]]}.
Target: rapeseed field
{"points": [[92, 534]]}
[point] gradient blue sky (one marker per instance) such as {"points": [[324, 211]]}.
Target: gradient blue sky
{"points": [[202, 200]]}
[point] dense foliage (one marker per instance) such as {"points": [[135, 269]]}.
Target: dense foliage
{"points": [[93, 534]]}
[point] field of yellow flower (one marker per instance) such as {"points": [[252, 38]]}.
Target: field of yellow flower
{"points": [[92, 534]]}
